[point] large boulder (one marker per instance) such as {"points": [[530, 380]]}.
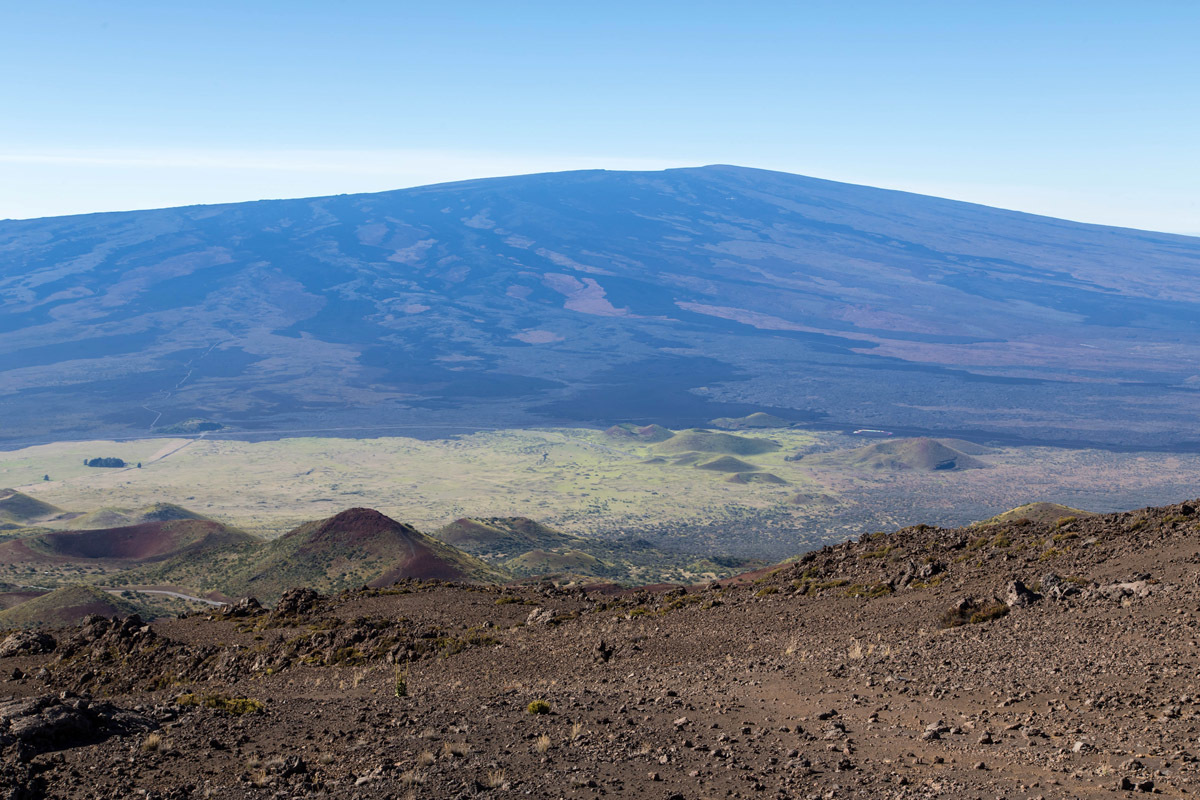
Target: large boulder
{"points": [[295, 602], [1019, 595], [41, 724], [27, 643], [246, 607], [1054, 587]]}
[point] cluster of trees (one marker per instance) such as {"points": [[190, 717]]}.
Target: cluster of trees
{"points": [[105, 462]]}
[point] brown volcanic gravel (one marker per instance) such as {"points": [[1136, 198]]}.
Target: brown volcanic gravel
{"points": [[833, 677]]}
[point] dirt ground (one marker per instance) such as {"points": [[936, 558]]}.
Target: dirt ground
{"points": [[1075, 673]]}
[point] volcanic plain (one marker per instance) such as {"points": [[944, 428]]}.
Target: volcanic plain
{"points": [[794, 489]]}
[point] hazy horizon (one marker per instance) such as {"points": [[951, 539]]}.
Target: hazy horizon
{"points": [[932, 192], [1076, 113]]}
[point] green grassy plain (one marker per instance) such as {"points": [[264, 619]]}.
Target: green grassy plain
{"points": [[269, 487], [588, 484]]}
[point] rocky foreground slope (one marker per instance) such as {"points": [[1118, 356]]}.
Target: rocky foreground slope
{"points": [[1020, 660]]}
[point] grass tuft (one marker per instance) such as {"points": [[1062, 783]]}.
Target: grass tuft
{"points": [[237, 706], [973, 614]]}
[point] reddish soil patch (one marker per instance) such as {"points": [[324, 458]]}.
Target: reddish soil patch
{"points": [[351, 528], [150, 541], [10, 599], [423, 565]]}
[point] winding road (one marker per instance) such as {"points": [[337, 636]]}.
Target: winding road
{"points": [[167, 593]]}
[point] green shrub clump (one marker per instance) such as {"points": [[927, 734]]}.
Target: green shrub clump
{"points": [[236, 706], [874, 590], [973, 614], [538, 707]]}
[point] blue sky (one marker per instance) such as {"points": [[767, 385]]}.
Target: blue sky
{"points": [[1086, 110]]}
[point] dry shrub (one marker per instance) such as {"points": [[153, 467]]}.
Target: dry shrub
{"points": [[973, 613]]}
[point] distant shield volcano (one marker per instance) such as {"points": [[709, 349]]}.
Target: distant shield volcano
{"points": [[673, 297]]}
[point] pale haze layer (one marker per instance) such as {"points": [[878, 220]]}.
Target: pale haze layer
{"points": [[1083, 111]]}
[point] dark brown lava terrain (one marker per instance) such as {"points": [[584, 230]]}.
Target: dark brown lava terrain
{"points": [[1016, 660]]}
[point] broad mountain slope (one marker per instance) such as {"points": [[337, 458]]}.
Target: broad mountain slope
{"points": [[672, 297], [357, 547]]}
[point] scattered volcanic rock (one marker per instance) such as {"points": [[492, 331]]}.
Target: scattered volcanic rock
{"points": [[835, 675]]}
